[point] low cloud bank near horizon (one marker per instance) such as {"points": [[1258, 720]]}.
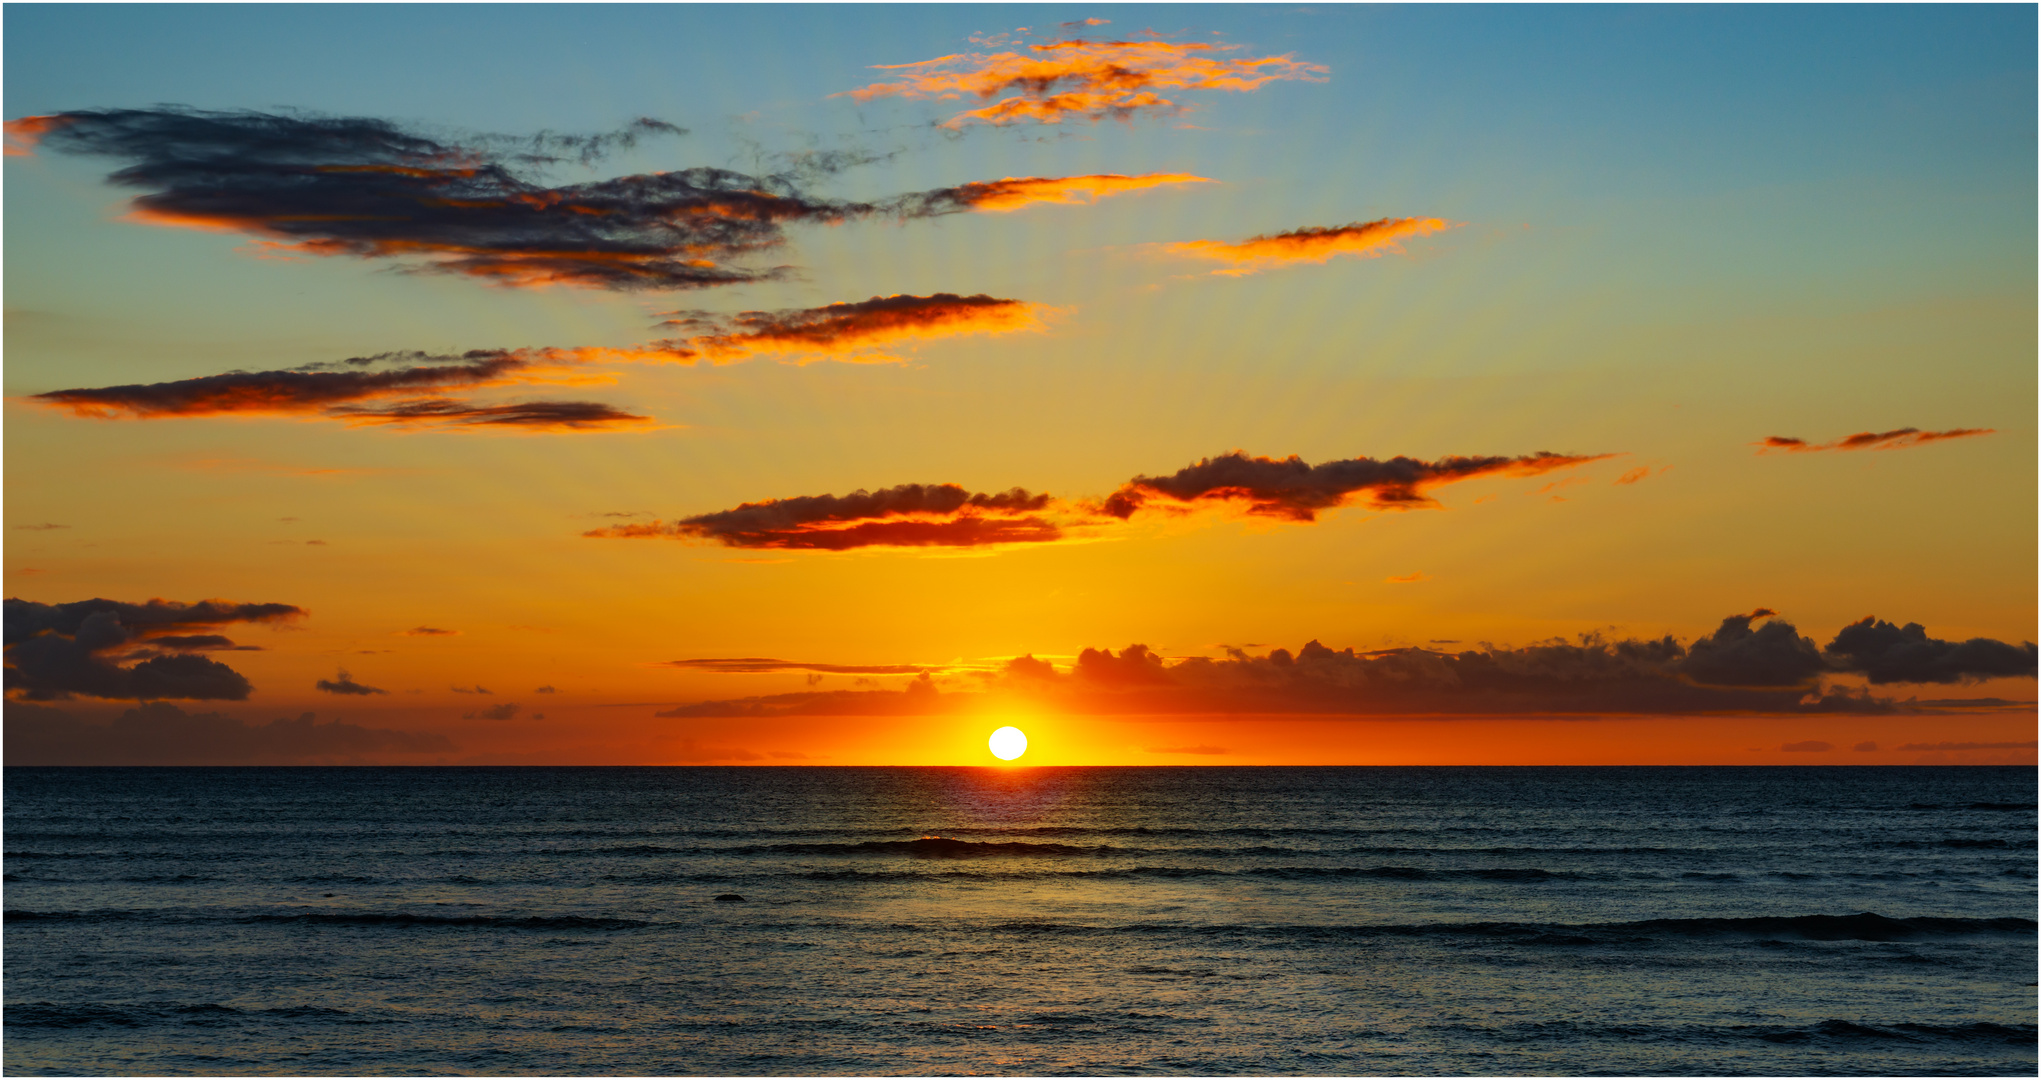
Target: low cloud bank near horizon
{"points": [[1737, 668], [949, 515], [58, 651], [158, 733]]}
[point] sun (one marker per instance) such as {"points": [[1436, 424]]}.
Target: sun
{"points": [[1008, 743]]}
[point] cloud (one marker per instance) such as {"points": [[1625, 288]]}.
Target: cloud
{"points": [[42, 528], [319, 390], [1048, 83], [345, 684], [907, 515], [1407, 579], [2028, 745], [478, 688], [1869, 440], [1316, 244], [948, 515], [757, 665], [305, 184], [1812, 746], [1294, 491], [56, 651], [545, 690], [1884, 653], [1867, 746], [505, 711], [1770, 670], [1015, 192], [856, 332], [427, 631], [1080, 24], [162, 734]]}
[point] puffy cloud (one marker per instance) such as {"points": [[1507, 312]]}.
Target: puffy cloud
{"points": [[56, 651], [1292, 490], [345, 684], [857, 331], [947, 515], [1015, 192], [162, 734], [907, 515], [1884, 653], [1869, 440], [1735, 669], [1051, 82], [1315, 244]]}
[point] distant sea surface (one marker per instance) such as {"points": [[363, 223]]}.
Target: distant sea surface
{"points": [[1775, 921]]}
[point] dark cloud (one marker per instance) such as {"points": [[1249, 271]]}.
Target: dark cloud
{"points": [[545, 690], [476, 689], [1770, 669], [429, 631], [1869, 440], [505, 711], [161, 734], [56, 651], [908, 515], [947, 515], [525, 416], [1884, 653], [1290, 489], [310, 185], [755, 665], [345, 684]]}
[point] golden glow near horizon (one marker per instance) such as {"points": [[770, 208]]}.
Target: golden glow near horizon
{"points": [[1008, 743]]}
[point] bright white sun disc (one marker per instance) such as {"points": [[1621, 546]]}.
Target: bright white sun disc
{"points": [[1008, 743]]}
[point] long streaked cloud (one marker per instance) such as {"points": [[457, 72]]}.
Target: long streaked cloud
{"points": [[1085, 80], [310, 185], [1737, 668], [907, 515], [760, 665], [1312, 244], [1295, 491], [948, 515], [1895, 439], [57, 651], [1015, 192], [319, 390], [857, 331]]}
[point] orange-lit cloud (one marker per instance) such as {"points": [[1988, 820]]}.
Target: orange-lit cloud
{"points": [[1738, 668], [858, 331], [946, 515], [1407, 579], [1015, 192], [1315, 244], [56, 651], [1082, 79], [1870, 440], [759, 665], [320, 390], [21, 136], [907, 515], [1295, 491]]}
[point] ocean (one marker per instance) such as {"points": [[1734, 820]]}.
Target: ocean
{"points": [[1031, 921]]}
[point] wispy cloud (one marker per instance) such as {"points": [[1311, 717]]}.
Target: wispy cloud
{"points": [[859, 331], [1896, 439], [1293, 490], [1312, 244], [1083, 80], [1015, 192]]}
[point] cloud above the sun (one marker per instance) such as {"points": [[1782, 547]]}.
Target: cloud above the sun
{"points": [[951, 516]]}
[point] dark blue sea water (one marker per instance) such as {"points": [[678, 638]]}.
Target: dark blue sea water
{"points": [[1777, 921]]}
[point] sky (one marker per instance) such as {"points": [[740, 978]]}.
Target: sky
{"points": [[1189, 385]]}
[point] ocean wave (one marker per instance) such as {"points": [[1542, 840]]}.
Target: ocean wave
{"points": [[46, 1014]]}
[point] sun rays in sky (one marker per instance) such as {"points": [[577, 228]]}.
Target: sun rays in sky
{"points": [[1206, 385]]}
